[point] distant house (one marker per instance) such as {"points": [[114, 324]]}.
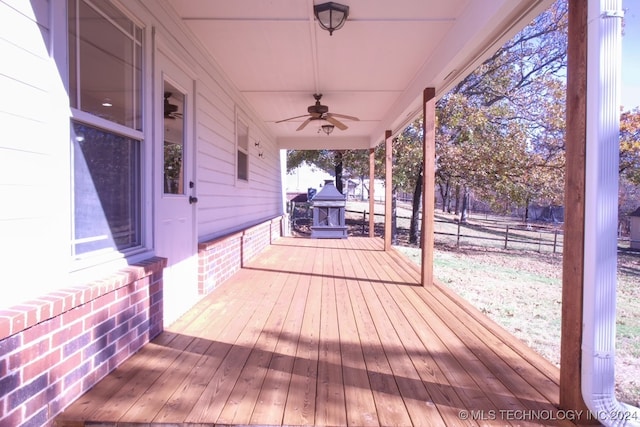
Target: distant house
{"points": [[362, 189], [307, 176], [304, 177]]}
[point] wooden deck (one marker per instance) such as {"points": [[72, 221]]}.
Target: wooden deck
{"points": [[332, 333]]}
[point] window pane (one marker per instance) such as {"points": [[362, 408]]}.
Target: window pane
{"points": [[105, 63], [173, 140], [243, 136], [173, 176], [243, 148], [242, 166], [106, 190]]}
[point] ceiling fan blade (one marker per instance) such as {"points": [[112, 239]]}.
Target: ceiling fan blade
{"points": [[337, 123], [304, 124], [292, 118], [344, 116]]}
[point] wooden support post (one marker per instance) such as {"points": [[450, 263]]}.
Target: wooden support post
{"points": [[372, 202], [574, 194], [429, 184], [388, 188]]}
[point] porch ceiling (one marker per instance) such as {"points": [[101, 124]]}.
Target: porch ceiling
{"points": [[374, 68]]}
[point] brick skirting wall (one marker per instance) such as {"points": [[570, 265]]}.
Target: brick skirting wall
{"points": [[55, 348], [220, 258]]}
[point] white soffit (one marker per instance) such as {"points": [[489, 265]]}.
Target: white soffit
{"points": [[374, 68]]}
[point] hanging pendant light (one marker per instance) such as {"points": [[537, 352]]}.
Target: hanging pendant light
{"points": [[331, 16]]}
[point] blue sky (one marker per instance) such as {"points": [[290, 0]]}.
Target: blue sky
{"points": [[631, 55]]}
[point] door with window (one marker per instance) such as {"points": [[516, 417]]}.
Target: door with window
{"points": [[175, 201]]}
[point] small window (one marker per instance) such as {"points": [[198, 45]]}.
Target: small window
{"points": [[174, 130], [243, 150]]}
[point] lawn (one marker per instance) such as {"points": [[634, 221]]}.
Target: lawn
{"points": [[520, 287]]}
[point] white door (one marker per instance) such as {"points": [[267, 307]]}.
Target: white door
{"points": [[175, 202]]}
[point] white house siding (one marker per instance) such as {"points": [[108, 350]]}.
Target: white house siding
{"points": [[35, 177], [225, 204], [101, 314], [34, 155]]}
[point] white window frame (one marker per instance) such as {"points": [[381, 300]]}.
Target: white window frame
{"points": [[114, 258], [242, 120]]}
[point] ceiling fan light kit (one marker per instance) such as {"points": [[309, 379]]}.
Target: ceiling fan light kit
{"points": [[331, 16], [318, 111], [170, 110], [326, 129]]}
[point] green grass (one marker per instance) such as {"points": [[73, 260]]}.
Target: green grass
{"points": [[521, 287], [522, 292]]}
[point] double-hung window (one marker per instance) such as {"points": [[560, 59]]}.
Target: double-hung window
{"points": [[242, 135], [105, 90]]}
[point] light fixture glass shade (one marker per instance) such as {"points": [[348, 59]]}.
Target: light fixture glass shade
{"points": [[331, 16], [327, 129]]}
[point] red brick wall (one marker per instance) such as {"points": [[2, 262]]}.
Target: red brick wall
{"points": [[277, 228], [55, 348], [220, 258]]}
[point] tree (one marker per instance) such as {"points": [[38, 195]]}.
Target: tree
{"points": [[629, 188], [630, 146], [500, 130], [324, 159], [343, 163], [319, 158], [407, 170]]}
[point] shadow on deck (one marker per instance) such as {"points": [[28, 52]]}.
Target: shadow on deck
{"points": [[328, 332]]}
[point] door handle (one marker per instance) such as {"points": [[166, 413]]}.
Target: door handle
{"points": [[193, 200]]}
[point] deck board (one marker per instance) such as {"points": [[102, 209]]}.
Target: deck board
{"points": [[389, 403], [220, 331], [326, 332], [399, 343], [360, 404], [213, 398]]}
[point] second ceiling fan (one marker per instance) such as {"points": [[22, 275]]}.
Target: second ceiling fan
{"points": [[321, 112]]}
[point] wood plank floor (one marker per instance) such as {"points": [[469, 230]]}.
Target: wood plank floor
{"points": [[330, 333]]}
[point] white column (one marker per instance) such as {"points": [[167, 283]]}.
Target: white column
{"points": [[601, 208]]}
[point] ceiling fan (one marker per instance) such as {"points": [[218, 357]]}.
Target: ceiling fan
{"points": [[170, 110], [321, 112]]}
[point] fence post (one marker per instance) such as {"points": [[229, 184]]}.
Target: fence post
{"points": [[364, 220], [292, 211], [539, 242], [555, 239], [458, 237], [506, 237]]}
